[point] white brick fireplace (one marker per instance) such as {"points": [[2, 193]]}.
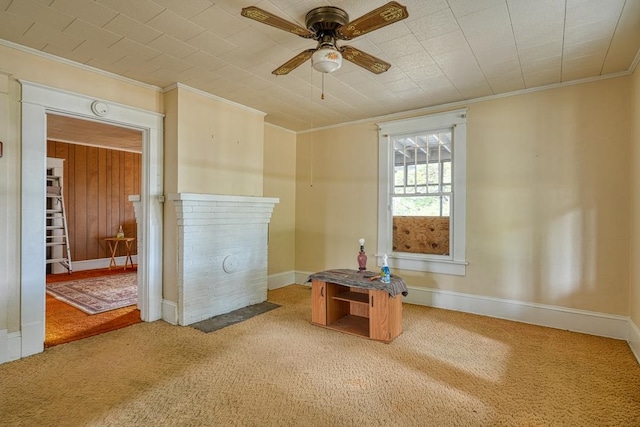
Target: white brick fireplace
{"points": [[221, 254]]}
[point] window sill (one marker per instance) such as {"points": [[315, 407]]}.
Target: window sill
{"points": [[405, 261]]}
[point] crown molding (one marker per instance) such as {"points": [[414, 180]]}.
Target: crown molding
{"points": [[280, 128], [467, 102], [71, 63], [211, 96]]}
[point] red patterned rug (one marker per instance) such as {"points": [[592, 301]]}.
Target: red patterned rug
{"points": [[98, 294]]}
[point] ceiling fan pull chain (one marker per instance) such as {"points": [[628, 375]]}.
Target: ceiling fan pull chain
{"points": [[322, 95]]}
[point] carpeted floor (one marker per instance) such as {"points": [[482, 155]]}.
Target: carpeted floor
{"points": [[276, 369]]}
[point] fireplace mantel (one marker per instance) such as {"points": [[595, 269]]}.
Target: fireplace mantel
{"points": [[222, 252]]}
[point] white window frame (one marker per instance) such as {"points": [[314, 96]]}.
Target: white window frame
{"points": [[455, 263]]}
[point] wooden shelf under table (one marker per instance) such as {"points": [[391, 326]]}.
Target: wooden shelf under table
{"points": [[356, 325], [357, 297], [369, 313]]}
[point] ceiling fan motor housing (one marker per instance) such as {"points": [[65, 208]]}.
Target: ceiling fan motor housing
{"points": [[326, 20]]}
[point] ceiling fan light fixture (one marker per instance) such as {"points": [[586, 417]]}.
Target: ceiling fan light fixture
{"points": [[326, 60]]}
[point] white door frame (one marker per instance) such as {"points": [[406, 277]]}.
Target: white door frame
{"points": [[37, 101]]}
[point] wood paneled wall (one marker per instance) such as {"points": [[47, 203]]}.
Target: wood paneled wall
{"points": [[97, 185]]}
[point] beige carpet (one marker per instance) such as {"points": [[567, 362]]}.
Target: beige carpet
{"points": [[446, 369]]}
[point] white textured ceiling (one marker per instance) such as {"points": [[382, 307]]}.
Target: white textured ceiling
{"points": [[445, 51]]}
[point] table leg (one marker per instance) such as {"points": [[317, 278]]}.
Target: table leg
{"points": [[128, 257], [113, 247]]}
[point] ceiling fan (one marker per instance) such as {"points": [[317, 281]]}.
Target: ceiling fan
{"points": [[326, 25]]}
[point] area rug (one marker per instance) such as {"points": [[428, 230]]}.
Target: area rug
{"points": [[98, 294], [233, 317]]}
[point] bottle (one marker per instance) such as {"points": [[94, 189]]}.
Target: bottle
{"points": [[385, 273], [120, 234]]}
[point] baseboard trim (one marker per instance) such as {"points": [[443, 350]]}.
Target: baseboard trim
{"points": [[302, 276], [634, 339], [279, 280], [94, 264], [14, 346], [170, 312], [10, 345], [588, 322], [4, 346]]}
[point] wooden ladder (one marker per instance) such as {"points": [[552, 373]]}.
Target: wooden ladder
{"points": [[57, 235]]}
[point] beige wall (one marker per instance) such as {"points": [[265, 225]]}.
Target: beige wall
{"points": [[336, 197], [20, 65], [634, 293], [547, 198], [170, 230], [280, 182], [9, 220], [220, 146]]}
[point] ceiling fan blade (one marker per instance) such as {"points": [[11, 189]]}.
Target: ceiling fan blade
{"points": [[377, 18], [268, 18], [363, 59], [293, 63]]}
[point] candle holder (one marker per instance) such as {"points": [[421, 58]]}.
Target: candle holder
{"points": [[362, 258]]}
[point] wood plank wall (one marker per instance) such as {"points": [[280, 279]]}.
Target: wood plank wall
{"points": [[97, 185]]}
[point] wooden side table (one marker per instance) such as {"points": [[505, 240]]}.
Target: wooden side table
{"points": [[113, 247], [348, 301]]}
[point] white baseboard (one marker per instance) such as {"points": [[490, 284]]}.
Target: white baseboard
{"points": [[10, 346], [634, 339], [302, 276], [170, 312], [4, 346], [14, 345], [588, 322], [94, 264], [280, 280]]}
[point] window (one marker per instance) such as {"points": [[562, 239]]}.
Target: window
{"points": [[422, 211]]}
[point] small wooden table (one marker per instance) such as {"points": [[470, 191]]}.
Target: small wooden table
{"points": [[347, 301], [113, 247]]}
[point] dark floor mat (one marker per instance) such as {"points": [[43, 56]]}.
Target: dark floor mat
{"points": [[233, 317]]}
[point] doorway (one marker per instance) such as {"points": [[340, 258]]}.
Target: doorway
{"points": [[37, 102], [98, 166]]}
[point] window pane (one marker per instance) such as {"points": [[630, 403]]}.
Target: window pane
{"points": [[398, 175], [446, 172], [446, 208], [417, 206], [411, 175], [434, 173], [421, 176]]}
